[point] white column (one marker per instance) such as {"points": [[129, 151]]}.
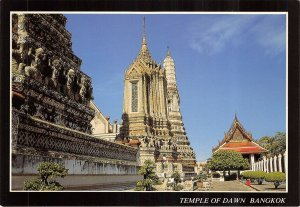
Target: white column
{"points": [[279, 163], [275, 163], [265, 163], [271, 164], [285, 162], [252, 161]]}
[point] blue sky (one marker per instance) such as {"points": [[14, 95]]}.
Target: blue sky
{"points": [[225, 64]]}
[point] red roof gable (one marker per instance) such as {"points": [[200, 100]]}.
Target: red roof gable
{"points": [[243, 147], [238, 139]]}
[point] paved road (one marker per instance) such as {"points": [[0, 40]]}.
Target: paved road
{"points": [[267, 186], [229, 186]]}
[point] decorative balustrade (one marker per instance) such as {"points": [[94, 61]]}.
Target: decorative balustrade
{"points": [[276, 163], [42, 136]]}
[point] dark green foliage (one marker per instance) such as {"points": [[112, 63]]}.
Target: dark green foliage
{"points": [[201, 176], [139, 186], [216, 175], [176, 186], [33, 184], [275, 145], [258, 175], [47, 172], [254, 174], [51, 170], [232, 176], [275, 177], [228, 160], [176, 176], [150, 178]]}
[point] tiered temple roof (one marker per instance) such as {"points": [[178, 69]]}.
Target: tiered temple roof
{"points": [[238, 139]]}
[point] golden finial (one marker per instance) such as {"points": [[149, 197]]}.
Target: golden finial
{"points": [[168, 51], [144, 24], [144, 31]]}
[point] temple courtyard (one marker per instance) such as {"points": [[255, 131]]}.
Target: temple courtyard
{"points": [[238, 186]]}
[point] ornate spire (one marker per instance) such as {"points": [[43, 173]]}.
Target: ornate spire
{"points": [[144, 53], [168, 52], [169, 66], [144, 42], [235, 118]]}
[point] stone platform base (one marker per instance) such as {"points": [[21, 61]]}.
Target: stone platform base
{"points": [[85, 173], [86, 182], [24, 164]]}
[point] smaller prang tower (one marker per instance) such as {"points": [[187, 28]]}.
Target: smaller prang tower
{"points": [[185, 153], [151, 115]]}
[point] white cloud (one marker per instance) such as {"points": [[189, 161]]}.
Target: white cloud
{"points": [[215, 33], [270, 34]]}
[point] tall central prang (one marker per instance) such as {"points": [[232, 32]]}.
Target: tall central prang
{"points": [[152, 117]]}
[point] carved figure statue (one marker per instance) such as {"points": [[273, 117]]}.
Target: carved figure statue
{"points": [[83, 88], [22, 25], [34, 70], [89, 90], [70, 82], [20, 56], [151, 143], [56, 67]]}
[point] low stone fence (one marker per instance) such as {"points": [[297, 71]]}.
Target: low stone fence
{"points": [[35, 141], [276, 163], [33, 133]]}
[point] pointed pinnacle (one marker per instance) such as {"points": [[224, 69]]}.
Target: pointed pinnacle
{"points": [[168, 51]]}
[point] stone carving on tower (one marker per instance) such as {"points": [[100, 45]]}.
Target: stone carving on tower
{"points": [[151, 114], [51, 111], [47, 73]]}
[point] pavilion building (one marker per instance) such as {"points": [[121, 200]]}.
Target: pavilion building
{"points": [[239, 140]]}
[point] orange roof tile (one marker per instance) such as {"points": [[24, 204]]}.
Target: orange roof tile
{"points": [[243, 147], [239, 144]]}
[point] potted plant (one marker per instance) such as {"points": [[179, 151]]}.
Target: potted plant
{"points": [[201, 177]]}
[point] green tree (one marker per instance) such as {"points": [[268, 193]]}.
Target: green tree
{"points": [[259, 176], [45, 182], [176, 185], [150, 178], [280, 140], [226, 160], [201, 176], [275, 144], [276, 177]]}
